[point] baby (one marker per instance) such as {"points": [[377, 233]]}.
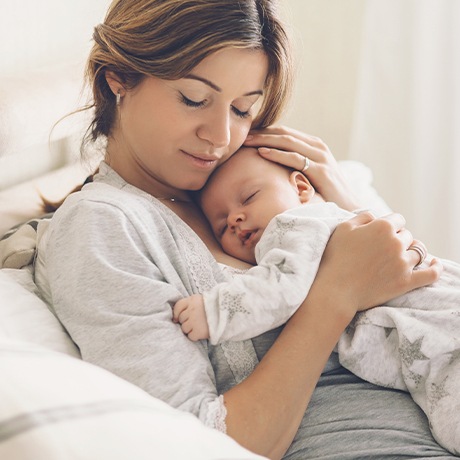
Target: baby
{"points": [[268, 215]]}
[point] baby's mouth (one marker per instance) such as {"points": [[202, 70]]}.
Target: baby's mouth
{"points": [[247, 236]]}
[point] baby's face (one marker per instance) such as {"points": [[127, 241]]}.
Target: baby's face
{"points": [[242, 197]]}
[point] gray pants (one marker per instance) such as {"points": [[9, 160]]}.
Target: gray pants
{"points": [[350, 419]]}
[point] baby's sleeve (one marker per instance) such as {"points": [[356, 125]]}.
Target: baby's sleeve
{"points": [[267, 295]]}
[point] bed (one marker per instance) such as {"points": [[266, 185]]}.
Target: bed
{"points": [[54, 406]]}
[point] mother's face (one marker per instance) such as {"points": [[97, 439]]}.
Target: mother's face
{"points": [[174, 133]]}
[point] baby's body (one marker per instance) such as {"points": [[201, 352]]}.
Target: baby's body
{"points": [[276, 220]]}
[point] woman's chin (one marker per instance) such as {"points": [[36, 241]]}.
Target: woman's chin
{"points": [[198, 184]]}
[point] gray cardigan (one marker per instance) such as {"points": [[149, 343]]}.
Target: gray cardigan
{"points": [[112, 263]]}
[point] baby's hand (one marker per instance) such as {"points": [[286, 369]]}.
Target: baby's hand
{"points": [[191, 315]]}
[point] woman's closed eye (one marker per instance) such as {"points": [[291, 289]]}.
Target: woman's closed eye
{"points": [[190, 103], [197, 104], [240, 113]]}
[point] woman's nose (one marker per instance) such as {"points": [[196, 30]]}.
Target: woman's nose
{"points": [[216, 129]]}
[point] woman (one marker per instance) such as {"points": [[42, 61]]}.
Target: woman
{"points": [[176, 85]]}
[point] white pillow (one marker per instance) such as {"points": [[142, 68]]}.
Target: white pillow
{"points": [[360, 178], [55, 407], [24, 317]]}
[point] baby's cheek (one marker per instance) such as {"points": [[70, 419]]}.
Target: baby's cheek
{"points": [[231, 245]]}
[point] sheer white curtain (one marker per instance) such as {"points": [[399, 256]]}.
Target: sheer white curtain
{"points": [[406, 125]]}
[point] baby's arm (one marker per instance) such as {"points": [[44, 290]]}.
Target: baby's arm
{"points": [[266, 296], [191, 315], [288, 256]]}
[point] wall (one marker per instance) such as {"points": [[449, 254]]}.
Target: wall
{"points": [[43, 47], [328, 39], [37, 35]]}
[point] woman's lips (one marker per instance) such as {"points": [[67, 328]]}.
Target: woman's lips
{"points": [[200, 161]]}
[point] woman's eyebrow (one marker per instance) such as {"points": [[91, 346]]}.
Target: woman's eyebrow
{"points": [[216, 88]]}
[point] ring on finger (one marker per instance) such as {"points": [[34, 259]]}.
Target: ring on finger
{"points": [[420, 250], [306, 164]]}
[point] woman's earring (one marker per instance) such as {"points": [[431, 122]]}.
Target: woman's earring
{"points": [[118, 98]]}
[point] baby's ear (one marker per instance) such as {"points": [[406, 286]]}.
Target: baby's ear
{"points": [[302, 185]]}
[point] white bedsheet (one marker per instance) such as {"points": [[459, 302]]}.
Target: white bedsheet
{"points": [[55, 406]]}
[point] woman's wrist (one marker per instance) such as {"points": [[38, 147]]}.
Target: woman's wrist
{"points": [[272, 405], [332, 303]]}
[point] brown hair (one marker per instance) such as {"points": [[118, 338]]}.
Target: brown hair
{"points": [[168, 38]]}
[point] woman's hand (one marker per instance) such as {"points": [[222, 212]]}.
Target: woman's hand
{"points": [[368, 261], [290, 147]]}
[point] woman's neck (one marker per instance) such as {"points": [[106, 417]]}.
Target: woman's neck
{"points": [[179, 201], [139, 177]]}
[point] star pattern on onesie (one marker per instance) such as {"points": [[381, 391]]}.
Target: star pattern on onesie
{"points": [[438, 391], [282, 268], [284, 227], [233, 303], [411, 351], [416, 378], [354, 361]]}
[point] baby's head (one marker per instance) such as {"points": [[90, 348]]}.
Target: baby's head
{"points": [[244, 194]]}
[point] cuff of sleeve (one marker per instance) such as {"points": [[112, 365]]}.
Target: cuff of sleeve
{"points": [[217, 413]]}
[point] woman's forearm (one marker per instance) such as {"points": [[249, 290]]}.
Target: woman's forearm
{"points": [[367, 262], [265, 411]]}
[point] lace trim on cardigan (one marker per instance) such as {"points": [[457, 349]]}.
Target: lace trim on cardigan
{"points": [[217, 414], [241, 356]]}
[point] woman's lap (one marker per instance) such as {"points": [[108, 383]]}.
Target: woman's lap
{"points": [[348, 418]]}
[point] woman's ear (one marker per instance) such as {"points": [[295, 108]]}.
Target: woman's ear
{"points": [[115, 83], [302, 185]]}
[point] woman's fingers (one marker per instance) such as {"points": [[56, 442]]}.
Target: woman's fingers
{"points": [[427, 275], [290, 147], [394, 223], [418, 251], [362, 218], [292, 160], [292, 144], [397, 221], [289, 132], [415, 250], [383, 265]]}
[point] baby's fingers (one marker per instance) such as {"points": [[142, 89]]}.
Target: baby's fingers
{"points": [[186, 327], [180, 306]]}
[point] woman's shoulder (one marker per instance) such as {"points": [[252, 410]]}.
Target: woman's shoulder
{"points": [[101, 209], [104, 196], [110, 189]]}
